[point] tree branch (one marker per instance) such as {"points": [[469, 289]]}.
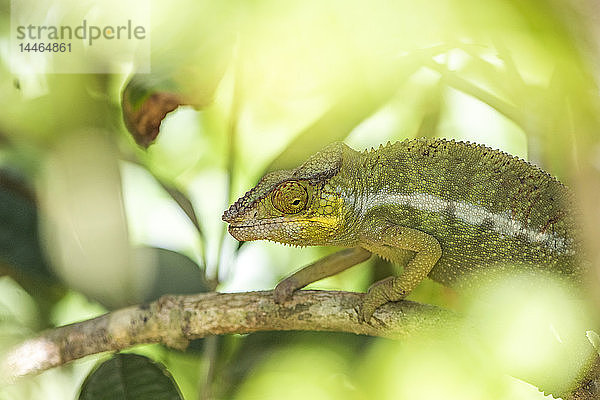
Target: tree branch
{"points": [[175, 320]]}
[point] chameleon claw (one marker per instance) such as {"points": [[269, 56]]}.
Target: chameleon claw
{"points": [[380, 323], [364, 312], [358, 314], [367, 317]]}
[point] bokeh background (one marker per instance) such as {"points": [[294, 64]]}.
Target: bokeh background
{"points": [[90, 221]]}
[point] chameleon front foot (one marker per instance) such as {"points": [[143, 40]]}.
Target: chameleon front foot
{"points": [[285, 290], [365, 312], [378, 294]]}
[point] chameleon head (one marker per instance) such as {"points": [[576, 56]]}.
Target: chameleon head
{"points": [[298, 207]]}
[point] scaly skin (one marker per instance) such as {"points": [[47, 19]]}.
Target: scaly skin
{"points": [[441, 208]]}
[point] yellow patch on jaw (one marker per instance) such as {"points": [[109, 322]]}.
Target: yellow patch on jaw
{"points": [[323, 220], [318, 227]]}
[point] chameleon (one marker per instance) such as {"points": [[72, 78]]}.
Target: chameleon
{"points": [[442, 209]]}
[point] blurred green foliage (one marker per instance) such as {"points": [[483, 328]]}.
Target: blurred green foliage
{"points": [[266, 84]]}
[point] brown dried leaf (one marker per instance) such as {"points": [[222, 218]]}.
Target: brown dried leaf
{"points": [[144, 120]]}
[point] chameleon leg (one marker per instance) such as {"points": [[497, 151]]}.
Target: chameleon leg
{"points": [[392, 240], [320, 269]]}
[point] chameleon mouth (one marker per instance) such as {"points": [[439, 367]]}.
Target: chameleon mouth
{"points": [[242, 225], [256, 230]]}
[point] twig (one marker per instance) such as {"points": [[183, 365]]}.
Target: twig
{"points": [[175, 320]]}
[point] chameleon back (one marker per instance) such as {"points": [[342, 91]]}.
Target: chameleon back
{"points": [[485, 207]]}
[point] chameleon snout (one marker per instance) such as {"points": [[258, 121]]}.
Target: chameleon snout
{"points": [[230, 214]]}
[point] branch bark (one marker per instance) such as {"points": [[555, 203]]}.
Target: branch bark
{"points": [[175, 320]]}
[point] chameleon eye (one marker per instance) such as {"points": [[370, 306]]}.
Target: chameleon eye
{"points": [[290, 197]]}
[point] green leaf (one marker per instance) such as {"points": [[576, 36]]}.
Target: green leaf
{"points": [[21, 255], [129, 377], [172, 273], [20, 250]]}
